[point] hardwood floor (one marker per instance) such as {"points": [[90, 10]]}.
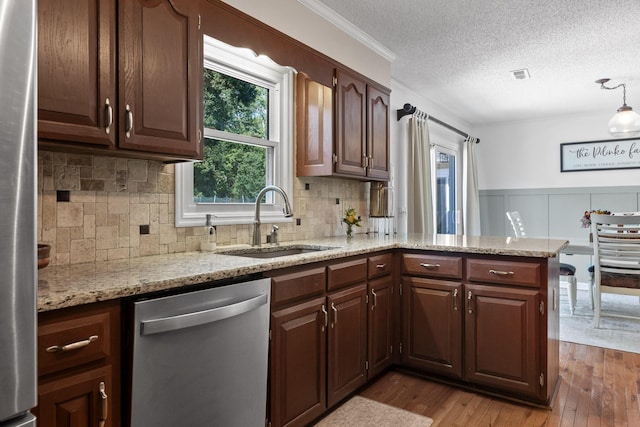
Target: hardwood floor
{"points": [[599, 387]]}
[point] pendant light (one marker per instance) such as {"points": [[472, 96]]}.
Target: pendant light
{"points": [[626, 122]]}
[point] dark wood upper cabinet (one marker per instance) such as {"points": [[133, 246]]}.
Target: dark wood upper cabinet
{"points": [[77, 93], [378, 110], [160, 77], [355, 144], [351, 130], [125, 76], [314, 124]]}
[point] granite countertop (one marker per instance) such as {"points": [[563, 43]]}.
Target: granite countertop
{"points": [[77, 284]]}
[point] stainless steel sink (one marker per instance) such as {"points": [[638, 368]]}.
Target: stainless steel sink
{"points": [[274, 251]]}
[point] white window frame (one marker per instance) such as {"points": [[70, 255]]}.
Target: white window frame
{"points": [[260, 70]]}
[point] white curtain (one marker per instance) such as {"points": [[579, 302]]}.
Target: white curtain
{"points": [[419, 192], [471, 210]]}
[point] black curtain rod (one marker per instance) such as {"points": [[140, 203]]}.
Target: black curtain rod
{"points": [[410, 109]]}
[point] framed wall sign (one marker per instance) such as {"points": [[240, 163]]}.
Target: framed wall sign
{"points": [[600, 155]]}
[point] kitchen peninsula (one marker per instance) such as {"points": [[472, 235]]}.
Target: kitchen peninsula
{"points": [[477, 311], [77, 284]]}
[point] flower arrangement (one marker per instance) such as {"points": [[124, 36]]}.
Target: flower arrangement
{"points": [[586, 218], [351, 218]]}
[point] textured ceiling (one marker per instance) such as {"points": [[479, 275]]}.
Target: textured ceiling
{"points": [[459, 53]]}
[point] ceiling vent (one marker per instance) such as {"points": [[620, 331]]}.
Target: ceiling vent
{"points": [[520, 74]]}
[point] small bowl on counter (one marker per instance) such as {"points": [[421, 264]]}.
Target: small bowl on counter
{"points": [[43, 255]]}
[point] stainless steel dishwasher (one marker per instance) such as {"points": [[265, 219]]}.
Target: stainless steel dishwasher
{"points": [[200, 358]]}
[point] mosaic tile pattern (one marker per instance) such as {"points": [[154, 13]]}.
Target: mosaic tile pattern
{"points": [[111, 198]]}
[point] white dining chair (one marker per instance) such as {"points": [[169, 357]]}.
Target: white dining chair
{"points": [[567, 271], [616, 247]]}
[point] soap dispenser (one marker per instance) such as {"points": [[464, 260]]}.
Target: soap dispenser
{"points": [[209, 241]]}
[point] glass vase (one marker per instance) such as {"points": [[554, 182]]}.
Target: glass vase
{"points": [[349, 231]]}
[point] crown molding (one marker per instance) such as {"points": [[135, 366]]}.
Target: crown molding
{"points": [[330, 15]]}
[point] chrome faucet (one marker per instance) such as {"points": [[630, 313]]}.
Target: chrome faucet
{"points": [[288, 212]]}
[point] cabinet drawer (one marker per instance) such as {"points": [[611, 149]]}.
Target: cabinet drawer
{"points": [[379, 265], [297, 285], [346, 273], [432, 265], [505, 272], [73, 340]]}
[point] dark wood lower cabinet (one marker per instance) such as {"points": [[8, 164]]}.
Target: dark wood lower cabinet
{"points": [[77, 401], [486, 321], [347, 342], [380, 324], [79, 366], [331, 331], [432, 318], [501, 339], [298, 363]]}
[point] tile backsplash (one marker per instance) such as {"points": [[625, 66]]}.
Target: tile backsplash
{"points": [[98, 208]]}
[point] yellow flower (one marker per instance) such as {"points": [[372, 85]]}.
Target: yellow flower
{"points": [[351, 217]]}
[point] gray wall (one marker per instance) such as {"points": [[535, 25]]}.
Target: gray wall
{"points": [[554, 212]]}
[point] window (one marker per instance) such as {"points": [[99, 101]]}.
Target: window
{"points": [[447, 189], [248, 131]]}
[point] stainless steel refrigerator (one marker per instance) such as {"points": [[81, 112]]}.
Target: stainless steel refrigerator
{"points": [[18, 269]]}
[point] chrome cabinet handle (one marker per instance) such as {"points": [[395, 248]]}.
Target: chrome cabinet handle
{"points": [[430, 266], [375, 298], [73, 345], [109, 112], [105, 405], [469, 300], [129, 126], [335, 315], [381, 266], [455, 299], [326, 318], [501, 273]]}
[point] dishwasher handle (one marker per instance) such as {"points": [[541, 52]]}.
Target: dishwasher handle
{"points": [[182, 321]]}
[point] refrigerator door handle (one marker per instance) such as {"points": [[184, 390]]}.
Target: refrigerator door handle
{"points": [[182, 321]]}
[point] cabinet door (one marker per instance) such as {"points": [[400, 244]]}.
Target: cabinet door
{"points": [[380, 324], [298, 363], [78, 401], [501, 336], [351, 148], [160, 82], [347, 342], [432, 332], [77, 71], [378, 111], [314, 122]]}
